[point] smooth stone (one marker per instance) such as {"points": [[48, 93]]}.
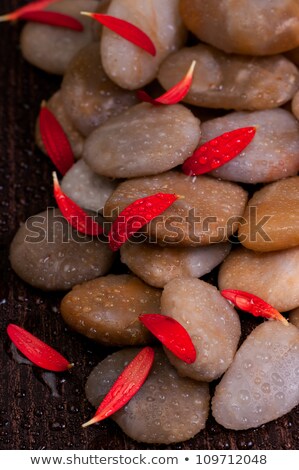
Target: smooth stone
{"points": [[231, 81], [278, 205], [272, 276], [252, 27], [47, 253], [166, 409], [128, 65], [271, 155], [157, 265], [89, 96], [294, 317], [262, 383], [212, 323], [106, 309], [50, 48], [207, 210], [144, 140], [76, 140], [88, 190]]}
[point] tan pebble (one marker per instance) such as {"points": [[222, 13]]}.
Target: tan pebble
{"points": [[262, 383], [50, 48], [271, 155], [150, 140], [294, 317], [76, 140], [166, 409], [274, 208], [158, 265], [230, 81], [47, 253], [255, 28], [128, 65], [272, 276], [109, 309], [88, 190], [89, 96], [213, 325], [206, 212]]}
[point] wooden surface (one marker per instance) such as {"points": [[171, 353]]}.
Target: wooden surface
{"points": [[30, 416]]}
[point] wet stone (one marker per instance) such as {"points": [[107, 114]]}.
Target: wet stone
{"points": [[278, 204], [271, 155], [205, 213], [272, 276], [89, 96], [159, 413], [47, 253], [150, 140], [128, 65], [256, 28], [231, 81], [212, 324], [76, 140], [157, 265], [107, 309], [245, 399], [50, 48], [88, 190]]}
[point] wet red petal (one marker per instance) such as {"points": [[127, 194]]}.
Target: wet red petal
{"points": [[36, 350], [253, 304], [126, 386], [52, 18], [126, 30], [31, 7], [136, 215], [76, 216], [55, 141], [175, 94], [172, 334], [218, 151]]}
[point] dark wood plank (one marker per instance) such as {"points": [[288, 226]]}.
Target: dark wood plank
{"points": [[30, 417]]}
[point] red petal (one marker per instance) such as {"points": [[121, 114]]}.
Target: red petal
{"points": [[218, 151], [126, 386], [76, 216], [136, 215], [126, 30], [55, 141], [175, 94], [172, 334], [20, 12], [36, 350], [54, 19], [253, 304]]}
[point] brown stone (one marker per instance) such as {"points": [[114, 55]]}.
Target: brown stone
{"points": [[271, 276], [206, 212], [278, 205], [107, 309], [231, 81], [252, 27]]}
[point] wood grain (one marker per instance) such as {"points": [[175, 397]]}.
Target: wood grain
{"points": [[30, 417]]}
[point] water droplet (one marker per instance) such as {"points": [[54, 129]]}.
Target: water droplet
{"points": [[266, 388], [277, 379], [56, 426], [244, 396]]}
